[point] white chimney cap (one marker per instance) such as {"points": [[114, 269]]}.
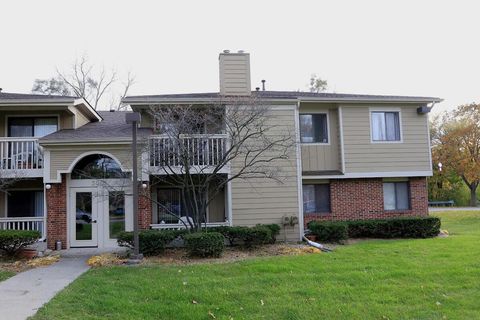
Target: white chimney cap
{"points": [[226, 51]]}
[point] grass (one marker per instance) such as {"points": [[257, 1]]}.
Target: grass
{"points": [[5, 274], [378, 279]]}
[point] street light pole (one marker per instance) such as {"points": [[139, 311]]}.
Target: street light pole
{"points": [[134, 119]]}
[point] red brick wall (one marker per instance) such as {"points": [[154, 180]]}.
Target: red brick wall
{"points": [[144, 208], [57, 214], [356, 199]]}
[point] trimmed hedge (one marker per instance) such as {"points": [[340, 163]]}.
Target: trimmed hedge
{"points": [[204, 244], [11, 241], [249, 236], [152, 242], [329, 231], [408, 227]]}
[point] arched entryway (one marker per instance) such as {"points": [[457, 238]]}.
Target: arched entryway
{"points": [[100, 202]]}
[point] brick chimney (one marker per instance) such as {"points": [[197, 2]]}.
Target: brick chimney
{"points": [[234, 73]]}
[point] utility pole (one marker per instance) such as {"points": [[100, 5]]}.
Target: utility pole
{"points": [[134, 119]]}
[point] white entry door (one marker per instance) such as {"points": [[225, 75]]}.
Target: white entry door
{"points": [[84, 209]]}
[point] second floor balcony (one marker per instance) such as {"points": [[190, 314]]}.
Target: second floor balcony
{"points": [[201, 153], [21, 157]]}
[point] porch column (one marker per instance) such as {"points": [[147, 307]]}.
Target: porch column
{"points": [[56, 198], [144, 207]]}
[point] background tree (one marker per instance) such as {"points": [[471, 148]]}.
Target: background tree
{"points": [[87, 81], [317, 84], [456, 144], [252, 149]]}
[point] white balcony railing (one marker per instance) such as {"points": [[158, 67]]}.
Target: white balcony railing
{"points": [[26, 223], [203, 150], [20, 154]]}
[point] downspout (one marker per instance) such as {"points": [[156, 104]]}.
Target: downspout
{"points": [[299, 171]]}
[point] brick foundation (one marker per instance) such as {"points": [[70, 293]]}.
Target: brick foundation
{"points": [[56, 199], [144, 208], [358, 199]]}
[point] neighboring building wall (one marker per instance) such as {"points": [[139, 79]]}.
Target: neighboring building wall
{"points": [[264, 200], [363, 156], [357, 199], [56, 199], [322, 157]]}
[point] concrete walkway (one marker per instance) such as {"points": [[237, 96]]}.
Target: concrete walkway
{"points": [[22, 295]]}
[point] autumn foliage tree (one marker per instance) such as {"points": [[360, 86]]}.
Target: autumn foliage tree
{"points": [[456, 144]]}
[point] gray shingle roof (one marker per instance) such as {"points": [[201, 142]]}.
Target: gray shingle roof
{"points": [[27, 96], [113, 127], [294, 95]]}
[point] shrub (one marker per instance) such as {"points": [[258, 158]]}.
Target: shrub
{"points": [[152, 242], [204, 244], [329, 231], [275, 230], [257, 236], [408, 227], [11, 241], [249, 236], [411, 227]]}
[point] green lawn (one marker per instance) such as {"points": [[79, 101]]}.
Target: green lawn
{"points": [[377, 279], [5, 274]]}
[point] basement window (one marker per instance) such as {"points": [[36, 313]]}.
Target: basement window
{"points": [[316, 198], [396, 195]]}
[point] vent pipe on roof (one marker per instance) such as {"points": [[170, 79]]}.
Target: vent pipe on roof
{"points": [[263, 85]]}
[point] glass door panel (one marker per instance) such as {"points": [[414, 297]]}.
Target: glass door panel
{"points": [[116, 213], [83, 216]]}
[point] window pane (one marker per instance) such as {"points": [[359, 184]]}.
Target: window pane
{"points": [[402, 198], [44, 126], [392, 126], [20, 127], [21, 204], [83, 216], [320, 128], [378, 126], [309, 205], [98, 166], [306, 128], [169, 205], [322, 195], [39, 204], [116, 213], [389, 195]]}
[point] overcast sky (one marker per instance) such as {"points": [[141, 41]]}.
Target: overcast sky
{"points": [[427, 48]]}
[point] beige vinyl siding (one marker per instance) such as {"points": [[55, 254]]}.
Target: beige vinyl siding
{"points": [[65, 118], [235, 74], [264, 200], [81, 119], [319, 157], [362, 155], [61, 157]]}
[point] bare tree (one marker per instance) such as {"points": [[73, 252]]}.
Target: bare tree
{"points": [[87, 81], [200, 149]]}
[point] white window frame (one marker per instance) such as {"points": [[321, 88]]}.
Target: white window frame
{"points": [[328, 128], [386, 109], [409, 194]]}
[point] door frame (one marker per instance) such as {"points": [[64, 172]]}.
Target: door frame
{"points": [[101, 189]]}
